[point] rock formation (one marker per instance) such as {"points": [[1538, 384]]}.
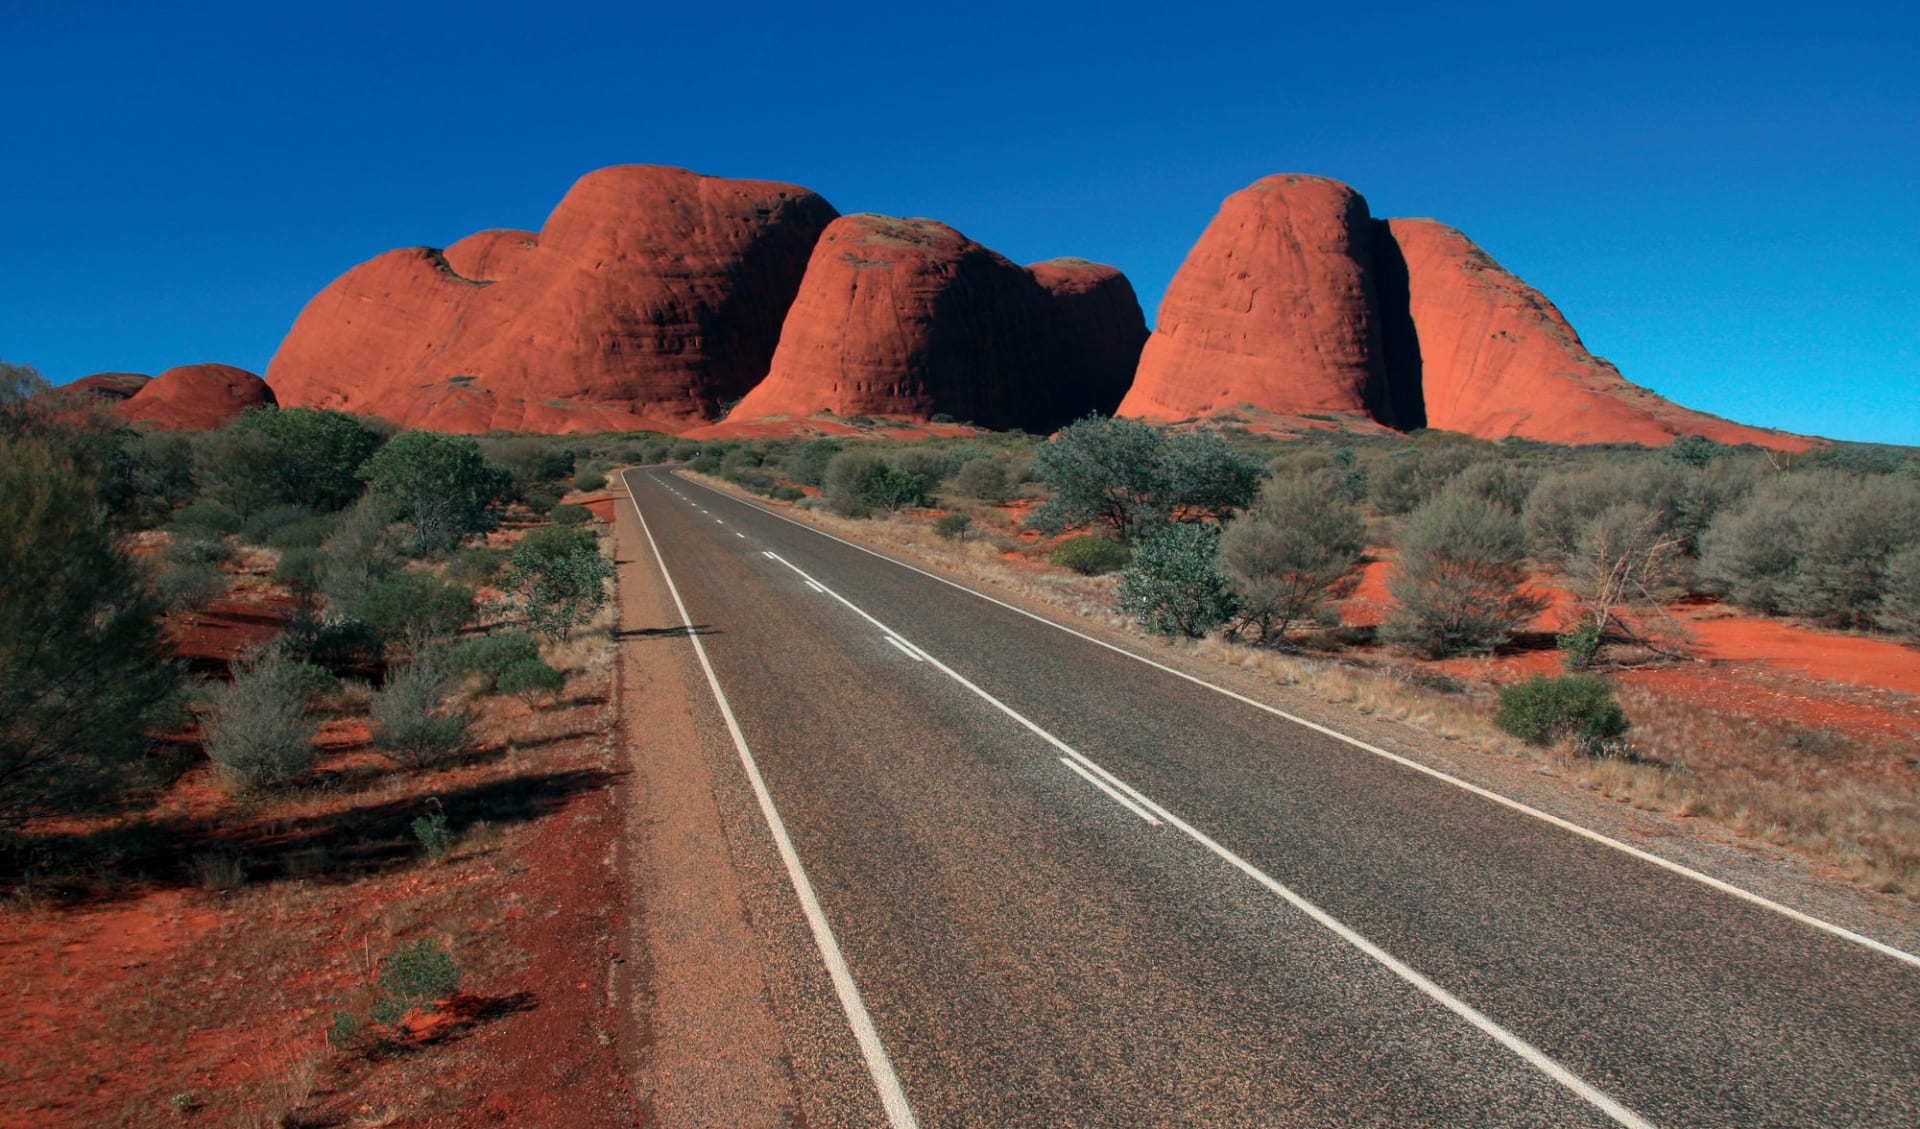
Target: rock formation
{"points": [[1494, 358], [106, 387], [1273, 307], [908, 318], [650, 297], [193, 397]]}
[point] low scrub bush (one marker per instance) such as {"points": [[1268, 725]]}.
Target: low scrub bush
{"points": [[590, 482], [260, 527], [561, 576], [476, 566], [205, 519], [985, 479], [489, 655], [307, 533], [786, 493], [1295, 551], [1573, 707], [413, 721], [258, 734], [1460, 582], [1173, 586], [416, 976], [189, 586], [567, 513], [416, 606], [530, 680], [1089, 554], [952, 527]]}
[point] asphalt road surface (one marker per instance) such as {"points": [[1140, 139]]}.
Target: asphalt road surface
{"points": [[1024, 880]]}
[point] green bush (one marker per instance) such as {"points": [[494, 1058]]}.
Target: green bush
{"points": [[1129, 477], [569, 514], [786, 493], [1459, 584], [299, 569], [188, 585], [529, 679], [309, 533], [952, 527], [258, 734], [1298, 549], [197, 549], [1172, 585], [560, 575], [1900, 602], [205, 519], [418, 975], [590, 482], [84, 673], [354, 557], [1817, 543], [808, 465], [1090, 554], [489, 655], [413, 721], [316, 455], [705, 464], [1573, 707], [415, 606], [476, 566], [261, 526], [985, 479]]}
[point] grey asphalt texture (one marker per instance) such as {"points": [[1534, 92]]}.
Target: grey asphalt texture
{"points": [[1033, 954]]}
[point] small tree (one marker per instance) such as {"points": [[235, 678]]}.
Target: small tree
{"points": [[1172, 586], [83, 672], [440, 482], [1129, 477], [1622, 560], [317, 454], [1459, 584], [415, 606], [1299, 548], [561, 577], [1900, 603], [356, 555], [985, 479], [258, 733]]}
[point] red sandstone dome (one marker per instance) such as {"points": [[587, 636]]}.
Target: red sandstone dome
{"points": [[195, 397], [650, 297], [1274, 307], [1495, 358], [908, 318]]}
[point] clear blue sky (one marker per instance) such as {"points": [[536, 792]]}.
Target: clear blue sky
{"points": [[1725, 200]]}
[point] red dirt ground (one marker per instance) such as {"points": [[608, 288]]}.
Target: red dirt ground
{"points": [[140, 987]]}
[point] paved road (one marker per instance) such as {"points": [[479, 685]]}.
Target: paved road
{"points": [[1071, 889]]}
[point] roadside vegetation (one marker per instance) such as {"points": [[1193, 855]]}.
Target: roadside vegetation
{"points": [[1562, 572], [281, 668]]}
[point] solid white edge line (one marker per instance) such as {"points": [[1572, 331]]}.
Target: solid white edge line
{"points": [[1109, 789], [892, 1097], [1532, 1055], [905, 650], [1682, 870], [816, 588]]}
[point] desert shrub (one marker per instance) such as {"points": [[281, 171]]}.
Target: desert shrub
{"points": [[568, 514], [1625, 557], [258, 733], [476, 566], [952, 527], [1128, 477], [1573, 707], [1090, 554], [589, 482], [1503, 482], [159, 478], [928, 468], [299, 569], [705, 464], [808, 464], [417, 975], [413, 720], [205, 519], [488, 655], [786, 493], [1172, 585], [531, 463], [310, 533], [1295, 551], [983, 478], [1900, 598], [1695, 450], [188, 586], [193, 548], [83, 673], [752, 478], [238, 469], [415, 606], [260, 527], [561, 576], [860, 481], [432, 832], [343, 645], [1410, 479], [1459, 582], [1816, 543], [354, 557], [529, 680], [316, 455], [440, 483]]}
